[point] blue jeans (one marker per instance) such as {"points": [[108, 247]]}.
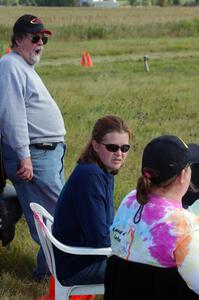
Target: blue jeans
{"points": [[44, 188], [92, 274]]}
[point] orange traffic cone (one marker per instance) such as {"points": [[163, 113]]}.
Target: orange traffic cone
{"points": [[82, 297], [51, 294], [89, 60], [8, 50], [83, 60]]}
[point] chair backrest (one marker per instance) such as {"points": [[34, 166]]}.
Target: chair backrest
{"points": [[43, 222], [43, 218]]}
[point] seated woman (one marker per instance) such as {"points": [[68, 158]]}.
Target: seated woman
{"points": [[85, 211], [155, 241]]}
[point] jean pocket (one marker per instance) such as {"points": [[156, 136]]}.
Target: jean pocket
{"points": [[37, 153]]}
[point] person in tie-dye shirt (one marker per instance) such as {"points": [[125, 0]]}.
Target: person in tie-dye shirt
{"points": [[155, 241]]}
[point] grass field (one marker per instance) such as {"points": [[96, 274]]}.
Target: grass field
{"points": [[163, 100]]}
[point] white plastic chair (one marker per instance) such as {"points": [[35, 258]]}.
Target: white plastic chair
{"points": [[43, 222]]}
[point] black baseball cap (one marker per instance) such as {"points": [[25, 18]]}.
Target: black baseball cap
{"points": [[30, 24], [166, 156]]}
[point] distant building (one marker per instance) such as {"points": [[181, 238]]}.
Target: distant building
{"points": [[98, 3]]}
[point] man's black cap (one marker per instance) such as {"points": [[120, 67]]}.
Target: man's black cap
{"points": [[30, 24], [166, 156]]}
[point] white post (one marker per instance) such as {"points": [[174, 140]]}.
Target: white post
{"points": [[146, 65]]}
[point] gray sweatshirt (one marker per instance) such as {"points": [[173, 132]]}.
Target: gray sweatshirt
{"points": [[28, 113]]}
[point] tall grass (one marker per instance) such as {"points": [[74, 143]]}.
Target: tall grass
{"points": [[164, 100], [92, 23]]}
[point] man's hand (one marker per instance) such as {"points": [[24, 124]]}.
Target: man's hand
{"points": [[25, 171]]}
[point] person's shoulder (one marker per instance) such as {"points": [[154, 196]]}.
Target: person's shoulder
{"points": [[89, 168], [82, 170], [183, 219], [128, 200], [130, 195], [192, 215], [92, 172], [6, 60], [10, 62]]}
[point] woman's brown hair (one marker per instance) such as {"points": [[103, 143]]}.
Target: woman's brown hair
{"points": [[102, 126], [148, 181]]}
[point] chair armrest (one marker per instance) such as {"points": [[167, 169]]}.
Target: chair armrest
{"points": [[79, 250]]}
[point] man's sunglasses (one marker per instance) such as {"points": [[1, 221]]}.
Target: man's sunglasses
{"points": [[35, 39], [114, 148]]}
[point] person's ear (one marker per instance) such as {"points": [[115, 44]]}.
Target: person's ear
{"points": [[18, 40], [95, 145], [183, 175]]}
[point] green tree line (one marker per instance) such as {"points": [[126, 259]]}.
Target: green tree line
{"points": [[76, 2], [37, 2]]}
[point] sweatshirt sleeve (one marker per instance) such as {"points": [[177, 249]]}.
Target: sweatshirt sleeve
{"points": [[13, 119]]}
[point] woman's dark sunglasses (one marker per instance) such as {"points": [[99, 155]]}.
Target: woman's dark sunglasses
{"points": [[114, 148], [35, 39]]}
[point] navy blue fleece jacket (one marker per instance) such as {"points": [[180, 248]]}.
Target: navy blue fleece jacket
{"points": [[83, 215]]}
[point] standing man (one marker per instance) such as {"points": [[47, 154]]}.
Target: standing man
{"points": [[31, 125]]}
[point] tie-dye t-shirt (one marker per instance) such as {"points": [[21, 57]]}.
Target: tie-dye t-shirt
{"points": [[166, 236]]}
